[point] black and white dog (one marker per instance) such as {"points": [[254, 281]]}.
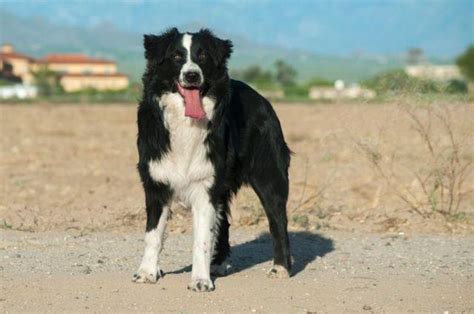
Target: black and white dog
{"points": [[201, 136]]}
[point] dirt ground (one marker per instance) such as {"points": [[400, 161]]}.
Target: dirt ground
{"points": [[333, 272], [370, 226], [72, 167]]}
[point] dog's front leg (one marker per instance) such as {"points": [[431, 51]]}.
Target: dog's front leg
{"points": [[204, 219], [149, 271], [157, 200]]}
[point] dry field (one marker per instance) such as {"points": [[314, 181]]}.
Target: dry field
{"points": [[375, 191], [364, 167]]}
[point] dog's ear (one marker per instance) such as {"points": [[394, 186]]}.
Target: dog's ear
{"points": [[156, 46], [220, 49]]}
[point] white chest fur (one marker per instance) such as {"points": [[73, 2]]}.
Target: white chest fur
{"points": [[185, 167]]}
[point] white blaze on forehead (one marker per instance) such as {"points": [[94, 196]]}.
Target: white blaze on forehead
{"points": [[187, 43]]}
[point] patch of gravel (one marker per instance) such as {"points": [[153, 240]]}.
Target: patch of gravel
{"points": [[341, 253], [333, 272]]}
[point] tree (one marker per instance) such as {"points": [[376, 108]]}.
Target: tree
{"points": [[255, 74], [285, 73], [47, 81], [465, 62]]}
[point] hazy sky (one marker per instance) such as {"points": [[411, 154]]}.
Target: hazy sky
{"points": [[441, 27]]}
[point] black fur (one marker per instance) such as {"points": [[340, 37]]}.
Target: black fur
{"points": [[245, 140]]}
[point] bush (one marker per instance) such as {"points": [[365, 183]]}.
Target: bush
{"points": [[466, 63], [264, 85], [457, 87], [91, 95], [399, 81], [285, 73], [4, 82], [253, 74], [296, 91], [47, 82]]}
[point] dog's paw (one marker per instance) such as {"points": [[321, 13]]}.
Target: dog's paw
{"points": [[278, 271], [201, 285], [147, 276], [221, 270]]}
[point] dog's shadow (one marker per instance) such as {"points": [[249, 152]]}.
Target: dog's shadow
{"points": [[305, 248]]}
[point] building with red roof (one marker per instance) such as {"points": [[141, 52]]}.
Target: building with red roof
{"points": [[75, 71], [14, 66]]}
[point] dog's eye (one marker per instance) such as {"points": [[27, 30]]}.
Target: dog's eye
{"points": [[202, 56], [178, 57]]}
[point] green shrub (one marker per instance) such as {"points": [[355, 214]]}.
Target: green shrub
{"points": [[265, 85], [457, 87], [4, 82], [319, 82], [296, 91], [399, 81], [47, 82], [253, 74], [466, 63]]}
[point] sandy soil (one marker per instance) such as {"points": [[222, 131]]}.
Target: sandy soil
{"points": [[71, 216], [333, 272], [73, 167]]}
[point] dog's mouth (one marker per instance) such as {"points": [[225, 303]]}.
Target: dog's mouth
{"points": [[193, 106]]}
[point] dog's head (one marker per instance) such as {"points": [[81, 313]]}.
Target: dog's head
{"points": [[188, 63]]}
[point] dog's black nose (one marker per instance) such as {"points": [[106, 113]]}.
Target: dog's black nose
{"points": [[192, 77]]}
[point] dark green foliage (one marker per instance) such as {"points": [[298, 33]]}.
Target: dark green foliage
{"points": [[257, 77], [90, 95], [285, 73], [255, 74], [284, 77], [457, 87], [296, 91], [4, 82], [47, 82], [466, 63]]}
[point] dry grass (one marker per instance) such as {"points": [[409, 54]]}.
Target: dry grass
{"points": [[73, 167], [438, 184]]}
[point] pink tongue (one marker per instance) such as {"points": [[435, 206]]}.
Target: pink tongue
{"points": [[193, 104]]}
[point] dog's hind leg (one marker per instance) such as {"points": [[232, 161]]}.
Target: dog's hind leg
{"points": [[157, 208], [219, 265], [273, 193]]}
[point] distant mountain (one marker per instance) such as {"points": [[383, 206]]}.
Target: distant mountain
{"points": [[442, 28], [38, 36]]}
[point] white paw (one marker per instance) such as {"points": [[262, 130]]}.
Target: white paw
{"points": [[221, 270], [201, 285], [278, 271], [147, 275]]}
